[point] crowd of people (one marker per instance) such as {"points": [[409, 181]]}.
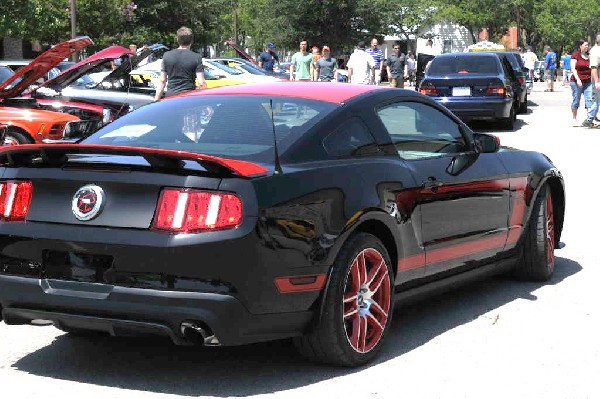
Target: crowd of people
{"points": [[183, 68]]}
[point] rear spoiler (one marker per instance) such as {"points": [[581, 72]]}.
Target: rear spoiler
{"points": [[40, 154]]}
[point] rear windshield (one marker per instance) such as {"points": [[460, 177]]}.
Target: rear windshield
{"points": [[240, 127], [463, 65]]}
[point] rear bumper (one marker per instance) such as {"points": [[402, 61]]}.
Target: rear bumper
{"points": [[132, 311], [478, 107]]}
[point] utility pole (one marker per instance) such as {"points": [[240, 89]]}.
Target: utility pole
{"points": [[72, 8]]}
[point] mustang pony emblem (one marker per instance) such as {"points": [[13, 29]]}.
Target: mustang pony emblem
{"points": [[87, 202]]}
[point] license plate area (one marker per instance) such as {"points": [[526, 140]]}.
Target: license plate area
{"points": [[461, 91], [73, 266]]}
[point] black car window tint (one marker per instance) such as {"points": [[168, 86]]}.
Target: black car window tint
{"points": [[351, 138], [419, 130], [463, 64]]}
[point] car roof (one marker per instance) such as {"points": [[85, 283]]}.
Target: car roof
{"points": [[320, 91]]}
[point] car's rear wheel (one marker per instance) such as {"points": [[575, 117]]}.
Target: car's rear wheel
{"points": [[537, 260], [523, 106], [15, 137], [509, 123], [357, 308]]}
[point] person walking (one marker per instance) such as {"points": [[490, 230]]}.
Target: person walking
{"points": [[396, 67], [530, 59], [375, 52], [301, 67], [361, 66], [581, 80], [326, 68], [181, 67], [268, 58], [549, 67], [565, 60], [411, 63], [594, 65]]}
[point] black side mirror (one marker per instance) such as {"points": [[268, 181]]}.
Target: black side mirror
{"points": [[485, 143]]}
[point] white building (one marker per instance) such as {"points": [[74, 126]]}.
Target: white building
{"points": [[447, 38]]}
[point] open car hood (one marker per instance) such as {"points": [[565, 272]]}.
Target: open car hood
{"points": [[122, 71], [64, 79], [240, 52], [37, 68]]}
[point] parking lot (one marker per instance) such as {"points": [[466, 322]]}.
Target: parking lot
{"points": [[492, 339]]}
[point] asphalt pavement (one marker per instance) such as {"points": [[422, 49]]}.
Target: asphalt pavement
{"points": [[493, 339]]}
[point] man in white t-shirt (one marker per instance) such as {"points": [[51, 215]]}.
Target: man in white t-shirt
{"points": [[361, 66], [594, 65]]}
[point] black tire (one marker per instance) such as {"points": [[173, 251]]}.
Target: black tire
{"points": [[523, 106], [537, 259], [509, 123], [339, 337], [16, 137]]}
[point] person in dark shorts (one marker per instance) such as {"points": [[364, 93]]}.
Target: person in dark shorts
{"points": [[181, 68], [326, 67]]}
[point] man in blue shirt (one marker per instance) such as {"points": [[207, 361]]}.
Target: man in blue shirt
{"points": [[267, 58], [550, 67]]}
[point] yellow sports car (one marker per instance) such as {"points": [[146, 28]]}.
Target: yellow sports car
{"points": [[149, 74]]}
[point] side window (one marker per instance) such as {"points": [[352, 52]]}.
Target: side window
{"points": [[418, 130], [351, 138]]}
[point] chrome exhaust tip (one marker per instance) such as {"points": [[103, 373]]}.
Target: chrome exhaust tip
{"points": [[198, 334]]}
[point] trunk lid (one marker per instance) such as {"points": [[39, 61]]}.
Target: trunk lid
{"points": [[477, 84], [126, 181]]}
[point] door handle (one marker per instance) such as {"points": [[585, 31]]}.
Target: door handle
{"points": [[432, 184]]}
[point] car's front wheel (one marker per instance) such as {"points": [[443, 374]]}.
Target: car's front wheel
{"points": [[357, 308], [537, 260]]}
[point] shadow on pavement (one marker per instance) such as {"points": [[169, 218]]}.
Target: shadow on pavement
{"points": [[494, 127], [155, 365]]}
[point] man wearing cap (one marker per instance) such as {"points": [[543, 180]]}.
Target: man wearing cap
{"points": [[326, 67], [361, 66], [267, 58]]}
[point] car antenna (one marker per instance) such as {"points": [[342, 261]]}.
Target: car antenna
{"points": [[277, 170]]}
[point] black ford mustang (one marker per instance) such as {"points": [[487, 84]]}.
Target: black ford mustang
{"points": [[258, 212]]}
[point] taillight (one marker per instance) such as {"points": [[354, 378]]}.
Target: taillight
{"points": [[428, 90], [187, 210], [15, 197], [496, 90]]}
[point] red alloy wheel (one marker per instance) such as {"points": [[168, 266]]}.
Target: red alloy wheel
{"points": [[550, 238], [367, 300]]}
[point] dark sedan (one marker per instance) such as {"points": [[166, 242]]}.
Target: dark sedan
{"points": [[473, 86], [258, 212]]}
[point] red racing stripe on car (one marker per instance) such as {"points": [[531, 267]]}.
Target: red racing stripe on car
{"points": [[411, 262], [289, 284]]}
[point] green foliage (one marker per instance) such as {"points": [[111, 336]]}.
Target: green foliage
{"points": [[338, 23]]}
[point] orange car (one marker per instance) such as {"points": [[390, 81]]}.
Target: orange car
{"points": [[33, 125], [25, 122]]}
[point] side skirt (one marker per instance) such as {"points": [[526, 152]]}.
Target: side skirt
{"points": [[448, 283]]}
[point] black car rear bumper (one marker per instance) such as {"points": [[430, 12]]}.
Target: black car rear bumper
{"points": [[132, 311], [478, 107]]}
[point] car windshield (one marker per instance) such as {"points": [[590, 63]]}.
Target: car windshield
{"points": [[229, 70], [463, 65], [240, 127]]}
